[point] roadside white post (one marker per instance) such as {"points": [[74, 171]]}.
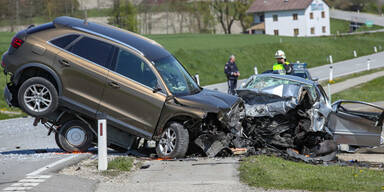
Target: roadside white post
{"points": [[256, 72], [102, 145], [330, 59], [197, 78], [281, 40], [354, 53], [330, 74], [375, 49], [368, 64], [329, 93]]}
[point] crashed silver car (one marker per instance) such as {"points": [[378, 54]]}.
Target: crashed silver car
{"points": [[294, 117]]}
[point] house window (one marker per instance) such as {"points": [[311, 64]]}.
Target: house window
{"points": [[296, 32], [276, 32], [322, 14], [311, 15], [275, 18], [324, 29], [312, 30], [295, 16]]}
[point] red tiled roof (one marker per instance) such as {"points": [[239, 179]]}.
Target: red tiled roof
{"points": [[278, 5]]}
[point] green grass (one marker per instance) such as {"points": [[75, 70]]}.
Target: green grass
{"points": [[342, 26], [5, 39], [371, 91], [206, 54], [276, 173], [121, 164], [351, 76]]}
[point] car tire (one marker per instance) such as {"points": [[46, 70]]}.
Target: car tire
{"points": [[38, 97], [57, 140], [174, 142], [75, 136]]}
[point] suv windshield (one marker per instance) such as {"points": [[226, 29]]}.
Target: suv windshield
{"points": [[178, 80]]}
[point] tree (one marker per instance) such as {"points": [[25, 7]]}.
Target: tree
{"points": [[124, 15], [228, 11], [202, 14]]}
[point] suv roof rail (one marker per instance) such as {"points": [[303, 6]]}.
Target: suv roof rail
{"points": [[146, 47]]}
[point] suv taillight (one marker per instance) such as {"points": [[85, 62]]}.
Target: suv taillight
{"points": [[16, 42]]}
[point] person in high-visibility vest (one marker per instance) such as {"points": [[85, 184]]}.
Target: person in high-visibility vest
{"points": [[282, 67]]}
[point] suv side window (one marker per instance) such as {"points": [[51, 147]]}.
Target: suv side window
{"points": [[133, 67], [62, 42], [93, 50]]}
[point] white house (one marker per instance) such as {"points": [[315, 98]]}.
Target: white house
{"points": [[290, 17]]}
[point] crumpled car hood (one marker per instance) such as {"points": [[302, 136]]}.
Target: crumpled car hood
{"points": [[209, 101], [270, 101]]}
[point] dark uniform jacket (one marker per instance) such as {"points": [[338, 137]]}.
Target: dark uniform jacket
{"points": [[229, 69]]}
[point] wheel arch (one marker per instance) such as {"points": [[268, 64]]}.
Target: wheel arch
{"points": [[38, 69], [184, 119]]}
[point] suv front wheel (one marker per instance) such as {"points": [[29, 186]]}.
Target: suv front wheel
{"points": [[38, 96], [174, 141]]}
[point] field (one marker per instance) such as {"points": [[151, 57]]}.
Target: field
{"points": [[371, 91], [207, 54], [276, 173]]}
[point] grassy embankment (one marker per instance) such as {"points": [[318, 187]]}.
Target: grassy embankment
{"points": [[207, 54], [371, 91], [276, 173], [5, 39]]}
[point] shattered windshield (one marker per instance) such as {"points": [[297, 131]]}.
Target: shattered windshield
{"points": [[177, 79], [262, 82]]}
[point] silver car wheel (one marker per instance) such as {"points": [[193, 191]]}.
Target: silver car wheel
{"points": [[167, 142], [75, 136], [37, 98]]}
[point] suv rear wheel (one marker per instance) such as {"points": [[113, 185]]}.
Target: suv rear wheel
{"points": [[38, 96], [75, 136], [174, 141]]}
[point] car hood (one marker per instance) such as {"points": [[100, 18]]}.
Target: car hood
{"points": [[209, 101]]}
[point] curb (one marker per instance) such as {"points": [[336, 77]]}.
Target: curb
{"points": [[61, 164]]}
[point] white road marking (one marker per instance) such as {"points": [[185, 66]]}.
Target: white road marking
{"points": [[17, 188], [38, 177], [37, 172], [28, 183], [31, 180], [25, 184]]}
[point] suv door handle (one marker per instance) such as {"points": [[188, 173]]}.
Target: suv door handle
{"points": [[65, 63], [114, 85]]}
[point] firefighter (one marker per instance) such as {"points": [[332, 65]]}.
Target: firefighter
{"points": [[232, 73], [282, 67]]}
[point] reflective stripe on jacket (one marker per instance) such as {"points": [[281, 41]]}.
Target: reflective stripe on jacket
{"points": [[280, 68]]}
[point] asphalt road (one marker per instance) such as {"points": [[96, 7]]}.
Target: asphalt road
{"points": [[322, 72], [359, 17], [25, 149]]}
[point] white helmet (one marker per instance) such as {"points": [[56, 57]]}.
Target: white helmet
{"points": [[280, 54]]}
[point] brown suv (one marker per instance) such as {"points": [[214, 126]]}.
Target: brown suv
{"points": [[68, 73]]}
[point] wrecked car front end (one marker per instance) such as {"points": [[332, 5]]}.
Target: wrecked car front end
{"points": [[209, 116], [285, 113]]}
